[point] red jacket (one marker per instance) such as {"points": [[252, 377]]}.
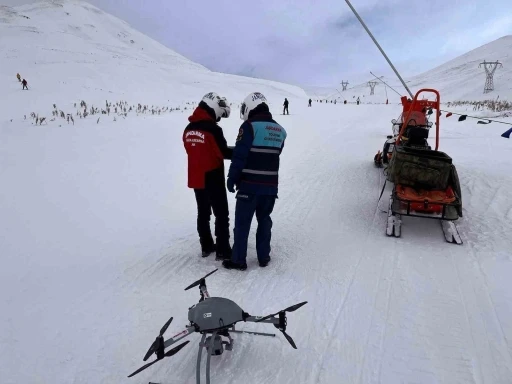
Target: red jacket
{"points": [[206, 148]]}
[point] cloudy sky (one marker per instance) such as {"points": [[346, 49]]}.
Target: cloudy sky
{"points": [[314, 42]]}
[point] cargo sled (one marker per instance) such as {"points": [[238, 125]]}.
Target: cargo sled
{"points": [[425, 180]]}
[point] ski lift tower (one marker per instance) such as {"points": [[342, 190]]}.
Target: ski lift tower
{"points": [[372, 85], [490, 68], [344, 84]]}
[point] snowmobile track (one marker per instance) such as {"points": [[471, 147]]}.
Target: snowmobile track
{"points": [[381, 326], [487, 332], [345, 297]]}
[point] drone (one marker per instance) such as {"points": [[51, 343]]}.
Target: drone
{"points": [[214, 318]]}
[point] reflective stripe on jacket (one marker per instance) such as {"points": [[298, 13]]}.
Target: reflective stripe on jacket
{"points": [[255, 162]]}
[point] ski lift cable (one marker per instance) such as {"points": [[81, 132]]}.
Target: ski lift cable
{"points": [[396, 71], [379, 47], [390, 87]]}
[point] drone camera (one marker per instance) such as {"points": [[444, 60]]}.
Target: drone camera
{"points": [[218, 347]]}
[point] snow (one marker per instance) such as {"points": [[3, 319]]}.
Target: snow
{"points": [[462, 79], [458, 79], [98, 237], [70, 48]]}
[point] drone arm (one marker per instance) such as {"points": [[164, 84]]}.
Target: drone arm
{"points": [[186, 332], [279, 322], [256, 319], [204, 291]]}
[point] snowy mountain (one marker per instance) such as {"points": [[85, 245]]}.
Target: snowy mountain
{"points": [[458, 79], [69, 50], [462, 79]]}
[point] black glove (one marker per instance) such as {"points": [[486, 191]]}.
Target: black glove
{"points": [[231, 185]]}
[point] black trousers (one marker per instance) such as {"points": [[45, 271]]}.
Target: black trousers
{"points": [[285, 109], [213, 198]]}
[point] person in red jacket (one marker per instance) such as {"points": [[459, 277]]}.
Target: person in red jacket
{"points": [[207, 149]]}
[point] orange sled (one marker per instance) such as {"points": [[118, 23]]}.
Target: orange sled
{"points": [[423, 201]]}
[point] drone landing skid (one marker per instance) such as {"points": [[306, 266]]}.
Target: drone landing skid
{"points": [[214, 346]]}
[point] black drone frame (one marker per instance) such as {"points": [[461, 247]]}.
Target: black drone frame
{"points": [[214, 318]]}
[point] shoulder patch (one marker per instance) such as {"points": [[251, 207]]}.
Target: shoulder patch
{"points": [[240, 134]]}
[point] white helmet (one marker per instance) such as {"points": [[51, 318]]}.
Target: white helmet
{"points": [[218, 104], [251, 102]]}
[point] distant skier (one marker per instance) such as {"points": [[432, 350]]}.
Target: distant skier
{"points": [[18, 76], [254, 172], [207, 149], [25, 84], [334, 101], [309, 105], [358, 101], [285, 105]]}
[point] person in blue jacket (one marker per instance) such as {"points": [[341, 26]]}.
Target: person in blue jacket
{"points": [[254, 172]]}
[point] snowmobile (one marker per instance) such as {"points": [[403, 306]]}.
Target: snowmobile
{"points": [[425, 181]]}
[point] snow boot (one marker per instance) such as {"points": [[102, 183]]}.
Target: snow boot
{"points": [[224, 253], [208, 250], [264, 263], [228, 264]]}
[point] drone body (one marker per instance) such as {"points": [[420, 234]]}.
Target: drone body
{"points": [[215, 313], [214, 318]]}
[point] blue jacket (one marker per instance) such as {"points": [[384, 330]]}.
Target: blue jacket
{"points": [[255, 162]]}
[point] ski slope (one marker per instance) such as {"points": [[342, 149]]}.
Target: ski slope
{"points": [[98, 243], [98, 233], [462, 79], [459, 79], [69, 50]]}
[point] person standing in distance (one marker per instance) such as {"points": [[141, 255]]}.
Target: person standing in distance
{"points": [[254, 171], [206, 149], [285, 105]]}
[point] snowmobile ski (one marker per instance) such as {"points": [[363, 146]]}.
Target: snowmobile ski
{"points": [[394, 223], [451, 232]]}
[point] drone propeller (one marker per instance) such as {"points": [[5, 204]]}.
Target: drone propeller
{"points": [[282, 321], [289, 338], [158, 345], [170, 353], [289, 309], [199, 281]]}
